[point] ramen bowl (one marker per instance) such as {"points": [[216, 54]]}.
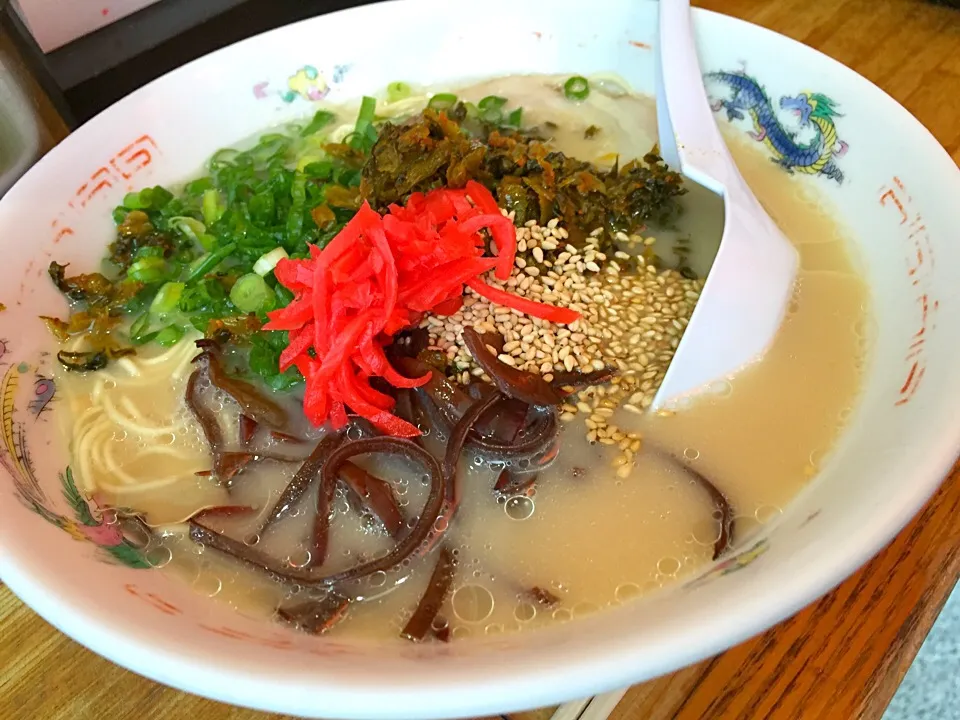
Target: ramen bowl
{"points": [[886, 178]]}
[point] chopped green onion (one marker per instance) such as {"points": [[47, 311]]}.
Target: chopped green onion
{"points": [[316, 169], [170, 335], [284, 296], [250, 293], [272, 146], [491, 108], [148, 270], [272, 139], [139, 327], [364, 134], [368, 110], [207, 241], [515, 118], [298, 194], [319, 122], [397, 91], [225, 156], [576, 88], [208, 263], [167, 299], [492, 102], [442, 101], [268, 261], [213, 209], [197, 187], [154, 198], [140, 331], [149, 251], [191, 227], [132, 201], [308, 160]]}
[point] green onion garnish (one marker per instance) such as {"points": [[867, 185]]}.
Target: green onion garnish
{"points": [[150, 251], [364, 133], [169, 336], [138, 329], [268, 261], [491, 109], [148, 270], [213, 209], [191, 227], [442, 101], [197, 187], [319, 122], [167, 298], [368, 108], [224, 157], [317, 170], [492, 102], [203, 265], [298, 194], [132, 201], [153, 198], [250, 293], [576, 88], [397, 91]]}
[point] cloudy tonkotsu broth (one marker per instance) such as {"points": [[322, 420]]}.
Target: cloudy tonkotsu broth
{"points": [[613, 517]]}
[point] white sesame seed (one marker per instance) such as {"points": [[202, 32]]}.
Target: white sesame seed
{"points": [[632, 321]]}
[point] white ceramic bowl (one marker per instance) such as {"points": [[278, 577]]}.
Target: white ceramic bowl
{"points": [[899, 196]]}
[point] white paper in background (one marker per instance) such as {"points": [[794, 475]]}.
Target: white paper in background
{"points": [[54, 23]]}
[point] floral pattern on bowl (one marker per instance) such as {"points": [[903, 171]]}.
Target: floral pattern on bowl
{"points": [[84, 520]]}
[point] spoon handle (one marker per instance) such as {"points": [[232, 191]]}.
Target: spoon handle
{"points": [[690, 140]]}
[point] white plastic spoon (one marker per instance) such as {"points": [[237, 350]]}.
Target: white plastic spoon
{"points": [[745, 297]]}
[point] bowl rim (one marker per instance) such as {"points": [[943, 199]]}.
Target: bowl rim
{"points": [[609, 666]]}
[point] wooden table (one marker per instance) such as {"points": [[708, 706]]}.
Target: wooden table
{"points": [[840, 658]]}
